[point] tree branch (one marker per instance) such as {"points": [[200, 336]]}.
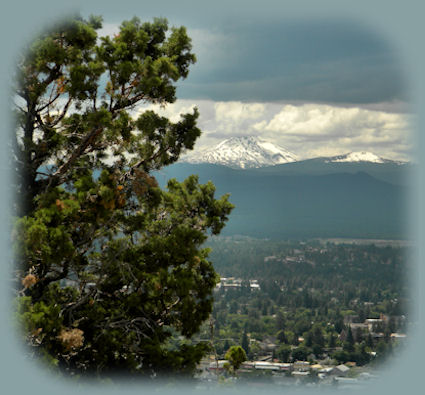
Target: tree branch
{"points": [[89, 139]]}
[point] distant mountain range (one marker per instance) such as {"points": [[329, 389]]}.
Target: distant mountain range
{"points": [[342, 196], [254, 152]]}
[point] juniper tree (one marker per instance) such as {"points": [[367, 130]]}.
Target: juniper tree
{"points": [[110, 267]]}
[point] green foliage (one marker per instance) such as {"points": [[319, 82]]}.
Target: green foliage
{"points": [[111, 268], [236, 356], [284, 353], [245, 343], [322, 284], [300, 353], [349, 342], [359, 355]]}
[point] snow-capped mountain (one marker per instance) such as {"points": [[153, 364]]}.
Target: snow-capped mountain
{"points": [[242, 152], [359, 156]]}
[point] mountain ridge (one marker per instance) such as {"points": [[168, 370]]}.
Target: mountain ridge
{"points": [[308, 199], [254, 152]]}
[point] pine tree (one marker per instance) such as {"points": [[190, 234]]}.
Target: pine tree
{"points": [[110, 267], [332, 341], [369, 341], [349, 341], [245, 342], [280, 320]]}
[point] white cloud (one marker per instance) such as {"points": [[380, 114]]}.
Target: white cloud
{"points": [[238, 111], [316, 130], [236, 118], [312, 120], [308, 130]]}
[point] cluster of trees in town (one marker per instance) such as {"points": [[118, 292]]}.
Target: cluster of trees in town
{"points": [[309, 291]]}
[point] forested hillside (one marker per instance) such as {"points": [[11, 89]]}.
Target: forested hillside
{"points": [[299, 200]]}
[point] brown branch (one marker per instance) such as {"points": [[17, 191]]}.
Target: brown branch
{"points": [[153, 157], [54, 75], [128, 103], [68, 310], [38, 289], [62, 115], [51, 101], [89, 140]]}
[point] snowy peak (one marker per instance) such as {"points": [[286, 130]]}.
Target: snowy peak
{"points": [[242, 152], [360, 156], [254, 152]]}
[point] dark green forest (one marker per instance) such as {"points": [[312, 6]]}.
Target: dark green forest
{"points": [[309, 199], [310, 292]]}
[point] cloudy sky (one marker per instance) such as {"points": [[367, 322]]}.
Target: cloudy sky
{"points": [[315, 86]]}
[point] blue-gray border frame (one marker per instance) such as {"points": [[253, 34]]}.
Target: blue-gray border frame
{"points": [[401, 22]]}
